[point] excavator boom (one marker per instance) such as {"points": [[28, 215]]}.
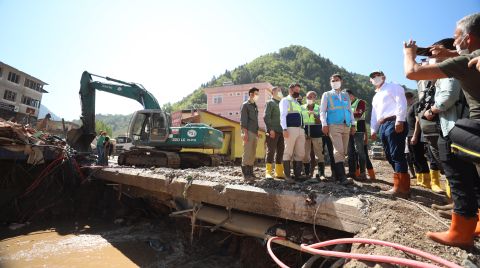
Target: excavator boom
{"points": [[157, 143]]}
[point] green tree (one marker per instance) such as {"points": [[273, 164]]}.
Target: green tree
{"points": [[100, 125]]}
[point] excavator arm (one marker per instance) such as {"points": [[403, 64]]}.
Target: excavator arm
{"points": [[81, 138]]}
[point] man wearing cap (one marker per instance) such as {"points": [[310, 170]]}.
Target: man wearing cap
{"points": [[313, 136], [274, 138], [249, 125], [337, 122], [100, 149], [389, 111], [356, 146], [293, 132], [464, 189]]}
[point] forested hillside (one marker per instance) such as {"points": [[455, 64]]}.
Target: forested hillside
{"points": [[289, 64]]}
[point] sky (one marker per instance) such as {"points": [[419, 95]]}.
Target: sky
{"points": [[172, 47]]}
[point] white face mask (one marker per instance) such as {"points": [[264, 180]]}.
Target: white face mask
{"points": [[432, 61], [255, 98], [310, 102], [459, 49], [377, 80], [336, 84], [279, 95]]}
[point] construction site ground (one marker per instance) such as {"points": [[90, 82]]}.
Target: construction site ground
{"points": [[390, 219]]}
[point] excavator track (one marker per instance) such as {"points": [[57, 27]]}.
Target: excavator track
{"points": [[158, 158], [149, 158]]}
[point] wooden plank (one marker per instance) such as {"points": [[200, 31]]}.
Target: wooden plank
{"points": [[337, 213]]}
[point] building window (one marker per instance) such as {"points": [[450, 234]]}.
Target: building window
{"points": [[237, 94], [230, 94], [245, 96], [1, 72], [10, 95], [30, 102], [237, 113], [33, 85], [217, 99], [230, 113], [13, 77]]}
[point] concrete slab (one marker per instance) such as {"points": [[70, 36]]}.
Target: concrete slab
{"points": [[337, 213]]}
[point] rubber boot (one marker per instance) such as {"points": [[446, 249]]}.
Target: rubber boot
{"points": [[321, 171], [435, 182], [401, 186], [268, 171], [279, 171], [371, 173], [477, 229], [251, 173], [306, 168], [419, 179], [244, 172], [357, 172], [425, 180], [288, 178], [448, 191], [341, 176], [297, 170], [460, 233]]}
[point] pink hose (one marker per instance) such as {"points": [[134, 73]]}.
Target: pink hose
{"points": [[375, 258]]}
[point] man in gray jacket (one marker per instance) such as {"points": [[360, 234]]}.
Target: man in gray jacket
{"points": [[274, 138], [249, 125]]}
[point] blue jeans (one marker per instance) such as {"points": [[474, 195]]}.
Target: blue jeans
{"points": [[101, 155], [394, 145]]}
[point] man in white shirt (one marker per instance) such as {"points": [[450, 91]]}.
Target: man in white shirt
{"points": [[389, 110], [337, 122]]}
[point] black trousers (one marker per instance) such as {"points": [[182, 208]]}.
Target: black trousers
{"points": [[367, 158], [433, 155], [463, 179], [328, 142], [417, 155]]}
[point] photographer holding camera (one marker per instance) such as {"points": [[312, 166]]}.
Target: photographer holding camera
{"points": [[461, 174]]}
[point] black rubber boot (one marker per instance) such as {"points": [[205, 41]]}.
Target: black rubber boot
{"points": [[306, 167], [297, 170], [321, 171], [250, 172], [341, 176], [245, 172], [286, 171]]}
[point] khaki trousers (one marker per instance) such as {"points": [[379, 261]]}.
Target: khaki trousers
{"points": [[249, 149], [317, 145], [339, 134], [294, 144]]}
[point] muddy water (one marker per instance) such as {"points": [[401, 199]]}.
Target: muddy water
{"points": [[103, 244]]}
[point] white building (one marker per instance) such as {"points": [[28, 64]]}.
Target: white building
{"points": [[20, 93]]}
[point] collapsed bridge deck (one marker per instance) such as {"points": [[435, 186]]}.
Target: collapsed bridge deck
{"points": [[272, 198]]}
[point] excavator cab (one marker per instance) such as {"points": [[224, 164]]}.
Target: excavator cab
{"points": [[149, 127]]}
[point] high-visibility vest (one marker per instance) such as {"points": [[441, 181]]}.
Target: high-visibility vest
{"points": [[309, 119], [294, 116], [354, 108], [312, 129], [337, 108]]}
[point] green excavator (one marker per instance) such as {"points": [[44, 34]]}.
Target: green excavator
{"points": [[155, 141]]}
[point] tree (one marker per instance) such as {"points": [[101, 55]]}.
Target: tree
{"points": [[101, 126]]}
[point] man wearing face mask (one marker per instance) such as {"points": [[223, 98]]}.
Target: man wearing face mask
{"points": [[337, 122], [467, 42], [249, 125], [292, 124], [313, 138], [274, 139], [355, 146], [389, 111]]}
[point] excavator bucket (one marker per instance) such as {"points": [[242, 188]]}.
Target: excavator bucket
{"points": [[79, 140]]}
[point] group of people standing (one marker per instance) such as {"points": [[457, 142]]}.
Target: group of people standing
{"points": [[334, 126], [444, 126]]}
